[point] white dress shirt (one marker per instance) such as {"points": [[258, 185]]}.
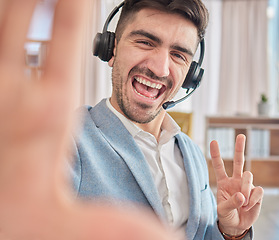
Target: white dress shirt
{"points": [[166, 165]]}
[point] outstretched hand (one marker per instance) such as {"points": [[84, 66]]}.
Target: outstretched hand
{"points": [[35, 118], [238, 200]]}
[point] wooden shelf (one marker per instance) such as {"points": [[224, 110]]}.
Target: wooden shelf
{"points": [[264, 168]]}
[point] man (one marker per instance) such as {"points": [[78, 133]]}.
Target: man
{"points": [[35, 116], [129, 149]]}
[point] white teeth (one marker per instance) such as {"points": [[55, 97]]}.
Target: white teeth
{"points": [[148, 83]]}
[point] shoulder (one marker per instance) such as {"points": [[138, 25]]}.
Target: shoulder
{"points": [[87, 116], [83, 111]]}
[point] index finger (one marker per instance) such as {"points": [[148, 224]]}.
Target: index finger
{"points": [[15, 23], [217, 162], [238, 161], [64, 60]]}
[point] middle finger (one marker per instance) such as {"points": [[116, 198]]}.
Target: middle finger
{"points": [[238, 161]]}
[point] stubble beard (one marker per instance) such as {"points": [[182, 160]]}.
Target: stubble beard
{"points": [[132, 111]]}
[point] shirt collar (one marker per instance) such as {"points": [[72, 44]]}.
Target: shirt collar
{"points": [[169, 127]]}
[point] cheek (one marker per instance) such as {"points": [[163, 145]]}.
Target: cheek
{"points": [[180, 76], [120, 67], [125, 63]]}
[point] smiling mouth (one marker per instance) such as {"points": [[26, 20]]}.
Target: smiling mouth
{"points": [[147, 89]]}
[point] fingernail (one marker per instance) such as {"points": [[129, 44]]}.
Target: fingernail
{"points": [[239, 199]]}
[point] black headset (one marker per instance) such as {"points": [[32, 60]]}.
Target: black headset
{"points": [[103, 47], [103, 44]]}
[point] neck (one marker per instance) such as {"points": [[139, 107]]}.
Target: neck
{"points": [[153, 127]]}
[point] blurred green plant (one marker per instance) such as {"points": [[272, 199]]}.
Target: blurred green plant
{"points": [[264, 98]]}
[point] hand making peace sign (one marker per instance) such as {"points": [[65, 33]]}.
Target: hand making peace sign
{"points": [[238, 200], [35, 118]]}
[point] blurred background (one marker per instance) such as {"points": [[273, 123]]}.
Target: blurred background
{"points": [[239, 92]]}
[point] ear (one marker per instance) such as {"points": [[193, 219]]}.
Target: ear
{"points": [[111, 61]]}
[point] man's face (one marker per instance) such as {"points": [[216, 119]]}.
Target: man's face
{"points": [[150, 63]]}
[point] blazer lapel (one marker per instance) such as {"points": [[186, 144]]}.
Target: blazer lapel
{"points": [[121, 140], [194, 190]]}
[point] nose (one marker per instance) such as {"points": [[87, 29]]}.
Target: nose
{"points": [[159, 63]]}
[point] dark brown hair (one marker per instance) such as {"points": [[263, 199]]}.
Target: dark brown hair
{"points": [[193, 10]]}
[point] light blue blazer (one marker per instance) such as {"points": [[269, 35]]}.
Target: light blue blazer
{"points": [[109, 164]]}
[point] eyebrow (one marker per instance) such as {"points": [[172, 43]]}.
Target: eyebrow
{"points": [[182, 49], [159, 41], [146, 34]]}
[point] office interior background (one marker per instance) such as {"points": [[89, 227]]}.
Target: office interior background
{"points": [[241, 63]]}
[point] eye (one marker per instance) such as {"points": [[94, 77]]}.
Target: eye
{"points": [[145, 43], [179, 56]]}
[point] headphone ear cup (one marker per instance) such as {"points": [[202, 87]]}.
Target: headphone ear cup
{"points": [[110, 48], [199, 78], [96, 44], [190, 77], [103, 45], [193, 77]]}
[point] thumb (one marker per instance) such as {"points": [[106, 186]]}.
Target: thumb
{"points": [[235, 201]]}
